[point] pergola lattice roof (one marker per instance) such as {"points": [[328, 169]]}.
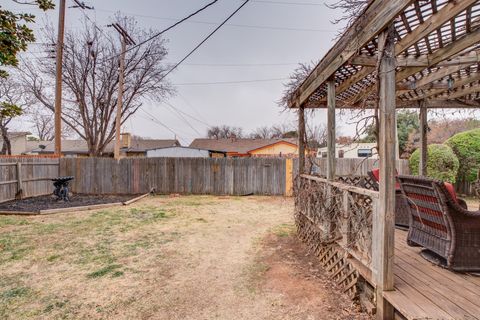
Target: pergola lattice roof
{"points": [[437, 50]]}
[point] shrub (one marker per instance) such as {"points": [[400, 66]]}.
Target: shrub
{"points": [[466, 146], [442, 163]]}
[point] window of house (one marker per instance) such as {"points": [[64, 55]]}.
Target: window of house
{"points": [[341, 153], [364, 153], [324, 154]]}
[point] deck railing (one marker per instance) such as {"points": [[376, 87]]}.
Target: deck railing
{"points": [[329, 212]]}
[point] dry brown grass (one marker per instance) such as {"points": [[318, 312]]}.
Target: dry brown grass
{"points": [[197, 257]]}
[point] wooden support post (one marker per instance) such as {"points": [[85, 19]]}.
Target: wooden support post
{"points": [[58, 79], [118, 116], [301, 140], [331, 130], [383, 229], [423, 138], [19, 194]]}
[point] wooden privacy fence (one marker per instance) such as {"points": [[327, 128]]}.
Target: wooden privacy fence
{"points": [[348, 167], [219, 176], [26, 177]]}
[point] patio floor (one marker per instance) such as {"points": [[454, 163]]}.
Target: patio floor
{"points": [[426, 291]]}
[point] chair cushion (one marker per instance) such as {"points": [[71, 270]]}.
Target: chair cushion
{"points": [[376, 174]]}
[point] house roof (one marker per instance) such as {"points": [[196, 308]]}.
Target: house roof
{"points": [[14, 134], [241, 146], [80, 146], [185, 147]]}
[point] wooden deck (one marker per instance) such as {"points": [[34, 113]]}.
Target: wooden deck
{"points": [[426, 291]]}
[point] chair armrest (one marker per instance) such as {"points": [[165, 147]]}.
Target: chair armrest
{"points": [[462, 203]]}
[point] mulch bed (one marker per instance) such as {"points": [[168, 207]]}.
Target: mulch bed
{"points": [[36, 204]]}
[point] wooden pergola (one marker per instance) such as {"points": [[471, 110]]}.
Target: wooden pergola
{"points": [[396, 54]]}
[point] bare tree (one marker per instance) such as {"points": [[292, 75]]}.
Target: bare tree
{"points": [[224, 132], [11, 106], [261, 133], [90, 79], [296, 79], [43, 125], [351, 10]]}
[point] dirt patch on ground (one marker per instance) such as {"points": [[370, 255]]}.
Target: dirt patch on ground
{"points": [[196, 257], [295, 273], [35, 204]]}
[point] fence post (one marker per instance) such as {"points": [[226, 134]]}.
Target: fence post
{"points": [[19, 194], [288, 177]]}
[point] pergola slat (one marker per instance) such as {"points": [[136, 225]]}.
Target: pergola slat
{"points": [[376, 17]]}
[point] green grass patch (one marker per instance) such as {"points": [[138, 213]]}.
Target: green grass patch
{"points": [[53, 257], [15, 293], [12, 221], [13, 247], [105, 271], [284, 230]]}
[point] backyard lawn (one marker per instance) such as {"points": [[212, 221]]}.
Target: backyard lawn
{"points": [[195, 257]]}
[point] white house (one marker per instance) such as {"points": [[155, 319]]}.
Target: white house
{"points": [[183, 152], [353, 150]]}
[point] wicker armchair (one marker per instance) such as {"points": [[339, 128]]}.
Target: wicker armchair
{"points": [[402, 211], [441, 225]]}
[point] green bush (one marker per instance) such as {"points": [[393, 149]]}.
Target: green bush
{"points": [[442, 163], [466, 146]]}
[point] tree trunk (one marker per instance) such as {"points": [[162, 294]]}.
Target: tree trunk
{"points": [[7, 147]]}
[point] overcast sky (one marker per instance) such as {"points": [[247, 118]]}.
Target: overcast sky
{"points": [[264, 41]]}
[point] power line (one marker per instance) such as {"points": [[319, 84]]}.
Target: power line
{"points": [[188, 115], [205, 40], [241, 64], [290, 3], [155, 120], [170, 27], [192, 107], [229, 82], [227, 24], [181, 117]]}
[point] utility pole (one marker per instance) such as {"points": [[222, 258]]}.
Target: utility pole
{"points": [[125, 39], [58, 79]]}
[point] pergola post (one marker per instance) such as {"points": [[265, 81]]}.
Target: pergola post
{"points": [[331, 130], [383, 232], [423, 138], [301, 140]]}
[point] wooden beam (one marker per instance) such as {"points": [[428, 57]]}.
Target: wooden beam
{"points": [[434, 58], [452, 104], [463, 92], [376, 17], [383, 229], [420, 61], [365, 71], [448, 12], [444, 53], [423, 138], [301, 140], [331, 130]]}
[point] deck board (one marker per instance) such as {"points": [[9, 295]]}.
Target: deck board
{"points": [[426, 291]]}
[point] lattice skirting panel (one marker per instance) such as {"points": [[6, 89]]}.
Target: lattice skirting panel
{"points": [[332, 257]]}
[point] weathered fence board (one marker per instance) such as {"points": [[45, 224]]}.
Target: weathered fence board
{"points": [[220, 176], [31, 175], [346, 167]]}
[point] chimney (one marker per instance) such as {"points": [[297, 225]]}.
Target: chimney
{"points": [[126, 140]]}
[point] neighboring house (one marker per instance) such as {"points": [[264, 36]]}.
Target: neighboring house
{"points": [[18, 142], [184, 152], [129, 147], [352, 150], [234, 147]]}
